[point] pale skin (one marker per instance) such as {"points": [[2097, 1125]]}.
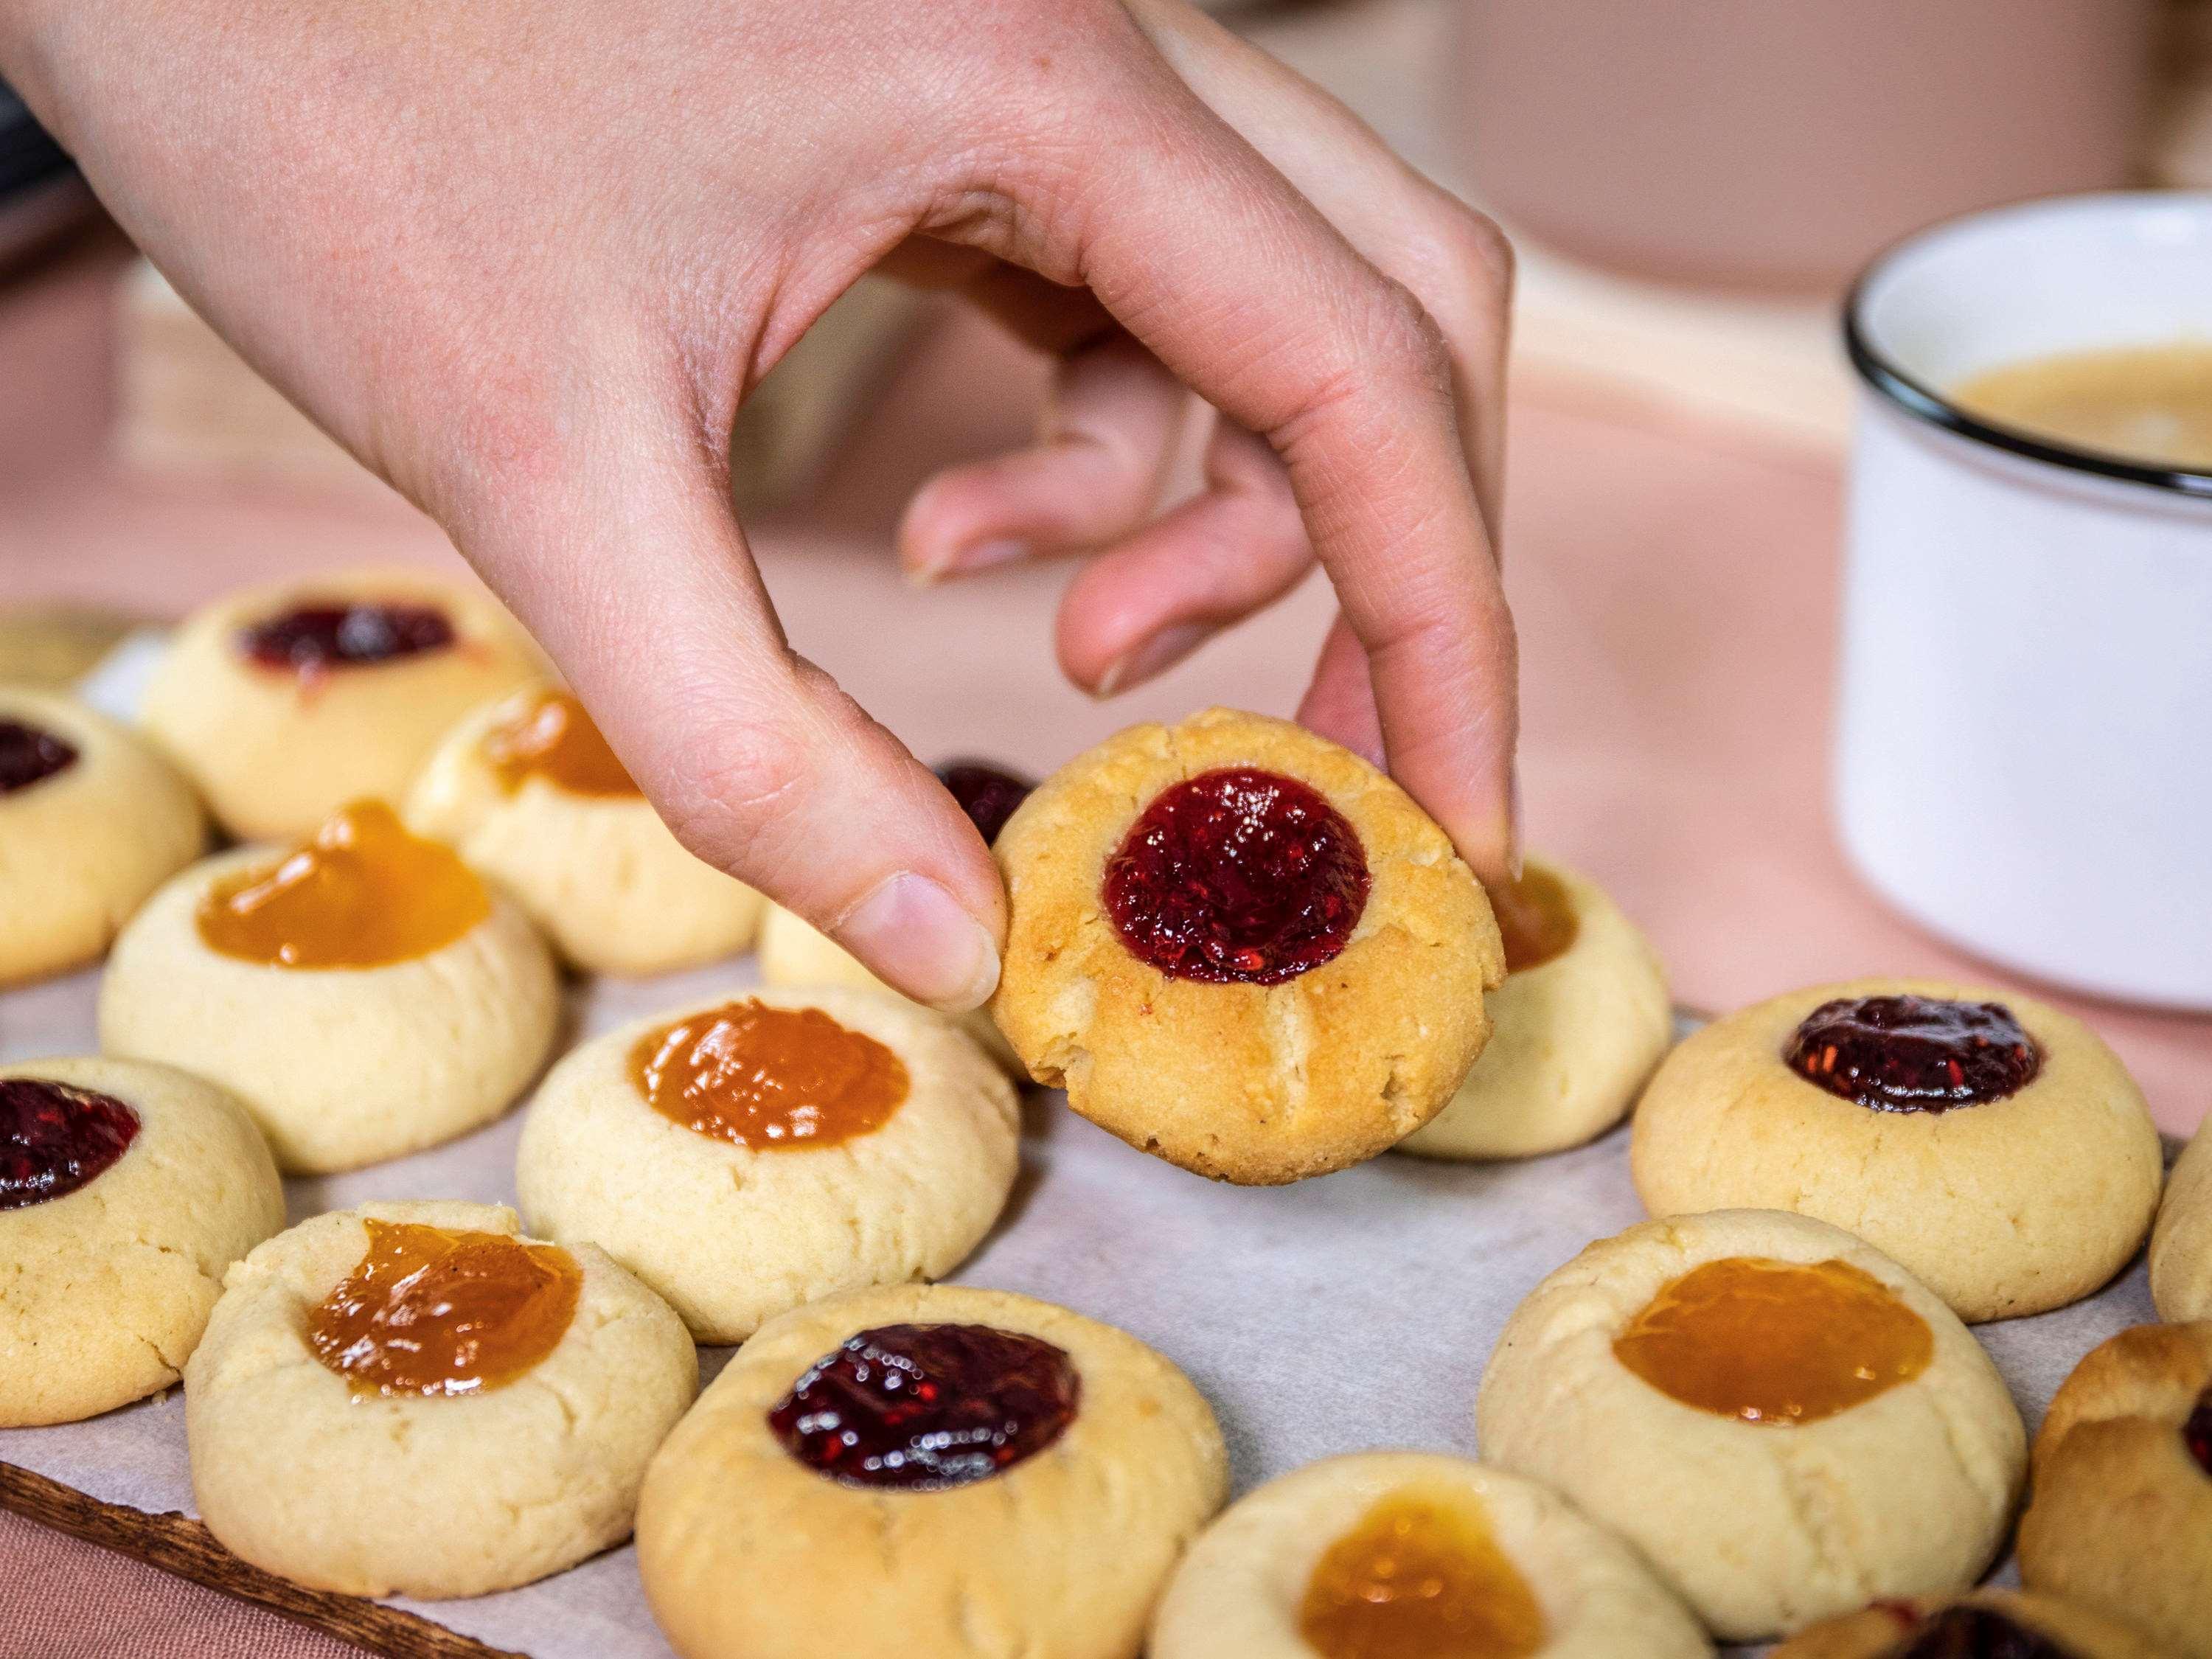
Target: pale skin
{"points": [[526, 262]]}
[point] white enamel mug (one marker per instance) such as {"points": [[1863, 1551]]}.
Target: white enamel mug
{"points": [[2024, 754]]}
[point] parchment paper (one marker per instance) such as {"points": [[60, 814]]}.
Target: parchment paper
{"points": [[1346, 1313]]}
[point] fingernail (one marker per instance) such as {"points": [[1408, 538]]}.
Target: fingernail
{"points": [[977, 556], [1156, 655], [919, 936]]}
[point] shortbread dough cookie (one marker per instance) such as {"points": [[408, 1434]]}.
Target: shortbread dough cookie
{"points": [[845, 1139], [2181, 1243], [284, 702], [440, 1007], [1850, 1439], [2121, 1518], [1583, 1018], [508, 1445], [1241, 948], [2008, 1162], [125, 1190], [529, 792], [91, 821], [1036, 1507], [1989, 1621], [1306, 1568]]}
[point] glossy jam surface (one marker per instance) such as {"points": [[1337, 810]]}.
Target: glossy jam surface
{"points": [[1911, 1053], [768, 1078], [2197, 1432], [986, 795], [1536, 918], [435, 1310], [54, 1139], [927, 1405], [316, 638], [363, 893], [1420, 1576], [1237, 875], [1775, 1342], [1969, 1632], [551, 737], [29, 755]]}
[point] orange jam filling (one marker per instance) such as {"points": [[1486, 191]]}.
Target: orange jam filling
{"points": [[770, 1078], [363, 893], [1420, 1576], [1774, 1341], [1536, 918], [432, 1311], [551, 737]]}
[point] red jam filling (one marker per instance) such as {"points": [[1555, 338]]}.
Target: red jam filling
{"points": [[54, 1139], [311, 638], [1237, 875], [29, 755], [2197, 1432], [988, 795], [1970, 1633], [1909, 1054], [927, 1407]]}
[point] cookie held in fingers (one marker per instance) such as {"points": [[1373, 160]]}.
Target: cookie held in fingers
{"points": [[927, 1469], [1784, 1421], [745, 1156], [2121, 1516], [413, 1398], [1384, 1554], [364, 993], [92, 820], [282, 703], [1241, 948], [125, 1191], [1988, 1624], [528, 791], [1992, 1145], [1576, 1030]]}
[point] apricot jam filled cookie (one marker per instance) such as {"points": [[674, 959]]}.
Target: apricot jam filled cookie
{"points": [[1241, 948], [365, 993], [2121, 1519], [1786, 1423], [282, 703], [1576, 1030], [1990, 1623], [413, 1398], [927, 1470], [1992, 1145], [1415, 1555], [743, 1156], [92, 820], [528, 791], [125, 1190]]}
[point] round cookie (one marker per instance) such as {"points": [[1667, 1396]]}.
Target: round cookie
{"points": [[742, 1220], [1583, 1018], [2121, 1517], [994, 1522], [2181, 1243], [91, 821], [2027, 1198], [1781, 1418], [284, 702], [1989, 1621], [1241, 948], [527, 791], [341, 1065], [125, 1190], [1300, 1564], [329, 1480]]}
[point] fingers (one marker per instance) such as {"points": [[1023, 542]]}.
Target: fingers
{"points": [[624, 560]]}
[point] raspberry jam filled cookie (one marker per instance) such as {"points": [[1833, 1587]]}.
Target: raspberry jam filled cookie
{"points": [[927, 1470], [1992, 1145], [1241, 948]]}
